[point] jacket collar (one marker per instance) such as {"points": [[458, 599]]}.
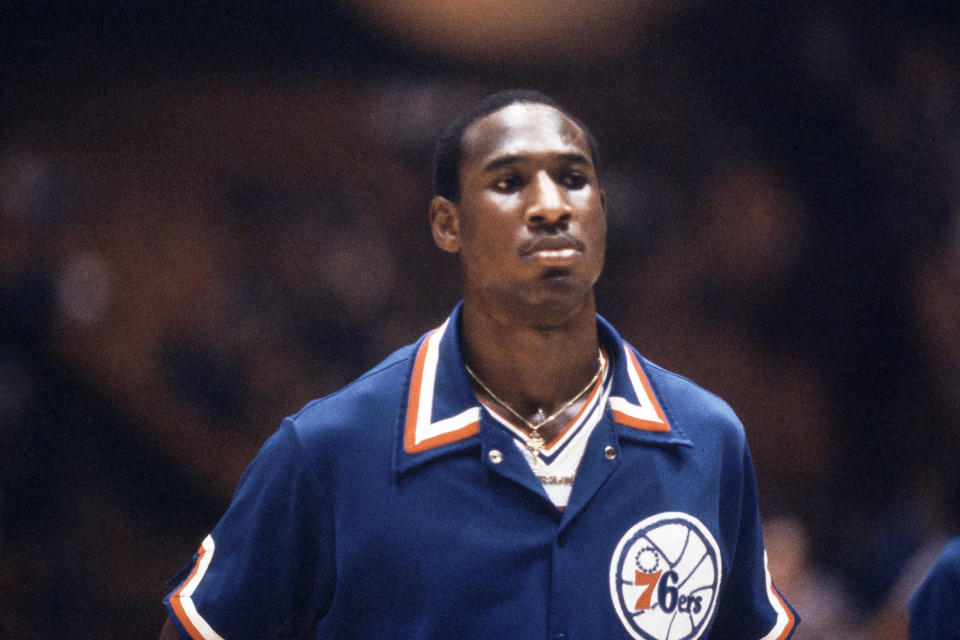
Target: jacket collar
{"points": [[441, 414]]}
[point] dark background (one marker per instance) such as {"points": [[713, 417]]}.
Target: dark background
{"points": [[212, 212]]}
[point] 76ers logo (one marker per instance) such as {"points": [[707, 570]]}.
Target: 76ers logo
{"points": [[665, 578]]}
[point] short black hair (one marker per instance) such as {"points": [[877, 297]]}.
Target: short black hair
{"points": [[446, 158]]}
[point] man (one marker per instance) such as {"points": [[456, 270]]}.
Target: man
{"points": [[520, 472]]}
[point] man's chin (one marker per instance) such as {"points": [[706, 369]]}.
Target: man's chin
{"points": [[555, 308]]}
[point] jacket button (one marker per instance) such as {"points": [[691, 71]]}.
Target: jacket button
{"points": [[495, 456], [609, 452]]}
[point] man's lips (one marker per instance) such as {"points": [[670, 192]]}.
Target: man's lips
{"points": [[553, 251]]}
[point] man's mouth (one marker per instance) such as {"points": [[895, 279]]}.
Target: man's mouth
{"points": [[555, 257], [555, 251]]}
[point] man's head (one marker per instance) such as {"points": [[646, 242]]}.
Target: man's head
{"points": [[449, 151], [529, 218]]}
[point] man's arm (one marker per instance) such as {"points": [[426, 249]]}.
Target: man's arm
{"points": [[168, 632], [750, 606], [272, 551]]}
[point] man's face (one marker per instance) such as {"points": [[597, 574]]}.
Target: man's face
{"points": [[531, 215]]}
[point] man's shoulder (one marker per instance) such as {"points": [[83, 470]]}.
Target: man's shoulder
{"points": [[684, 401], [682, 387], [689, 405], [370, 398]]}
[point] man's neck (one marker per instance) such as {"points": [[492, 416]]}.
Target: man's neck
{"points": [[532, 369]]}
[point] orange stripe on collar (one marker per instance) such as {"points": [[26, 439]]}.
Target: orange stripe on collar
{"points": [[648, 415], [420, 432]]}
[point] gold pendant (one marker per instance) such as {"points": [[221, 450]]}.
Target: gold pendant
{"points": [[535, 443]]}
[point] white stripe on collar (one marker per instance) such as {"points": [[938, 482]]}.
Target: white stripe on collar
{"points": [[420, 432], [646, 416]]}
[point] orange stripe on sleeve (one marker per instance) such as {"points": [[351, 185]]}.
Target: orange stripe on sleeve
{"points": [[177, 605], [791, 620]]}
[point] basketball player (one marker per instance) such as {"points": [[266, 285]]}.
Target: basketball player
{"points": [[519, 472]]}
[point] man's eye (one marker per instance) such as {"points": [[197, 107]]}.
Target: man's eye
{"points": [[507, 184], [573, 180]]}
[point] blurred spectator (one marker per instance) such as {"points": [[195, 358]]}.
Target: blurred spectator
{"points": [[820, 595]]}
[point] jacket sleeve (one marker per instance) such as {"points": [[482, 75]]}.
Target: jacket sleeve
{"points": [[267, 569], [750, 607]]}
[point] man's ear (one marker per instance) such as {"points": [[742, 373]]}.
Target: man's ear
{"points": [[445, 224]]}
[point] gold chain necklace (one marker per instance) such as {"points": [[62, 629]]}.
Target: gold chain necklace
{"points": [[535, 441]]}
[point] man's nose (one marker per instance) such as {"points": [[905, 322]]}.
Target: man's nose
{"points": [[548, 203]]}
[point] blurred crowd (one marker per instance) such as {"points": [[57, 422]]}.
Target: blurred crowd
{"points": [[186, 260]]}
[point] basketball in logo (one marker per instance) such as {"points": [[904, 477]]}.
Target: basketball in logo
{"points": [[665, 578]]}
